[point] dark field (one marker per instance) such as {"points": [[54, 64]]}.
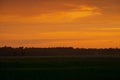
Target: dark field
{"points": [[60, 68]]}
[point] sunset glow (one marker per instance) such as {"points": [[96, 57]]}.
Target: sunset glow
{"points": [[60, 23]]}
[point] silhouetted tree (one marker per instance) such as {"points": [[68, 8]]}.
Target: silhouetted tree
{"points": [[58, 51]]}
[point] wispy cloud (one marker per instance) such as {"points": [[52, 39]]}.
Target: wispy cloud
{"points": [[55, 17]]}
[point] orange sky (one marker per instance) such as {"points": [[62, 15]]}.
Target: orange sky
{"points": [[44, 23]]}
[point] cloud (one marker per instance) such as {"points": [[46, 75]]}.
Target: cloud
{"points": [[56, 17], [63, 16], [87, 8], [57, 11]]}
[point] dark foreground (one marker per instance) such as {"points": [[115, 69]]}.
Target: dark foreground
{"points": [[60, 68]]}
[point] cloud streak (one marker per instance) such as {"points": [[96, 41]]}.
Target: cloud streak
{"points": [[54, 17]]}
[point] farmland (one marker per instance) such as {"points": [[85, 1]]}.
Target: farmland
{"points": [[60, 68]]}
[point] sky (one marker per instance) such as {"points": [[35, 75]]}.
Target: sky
{"points": [[63, 23]]}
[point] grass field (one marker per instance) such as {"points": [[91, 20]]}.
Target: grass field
{"points": [[60, 68]]}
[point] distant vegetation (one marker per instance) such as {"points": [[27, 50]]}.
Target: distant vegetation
{"points": [[57, 51]]}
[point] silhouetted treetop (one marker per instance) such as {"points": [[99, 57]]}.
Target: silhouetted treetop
{"points": [[57, 51]]}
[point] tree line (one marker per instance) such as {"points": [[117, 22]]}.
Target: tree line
{"points": [[57, 51]]}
